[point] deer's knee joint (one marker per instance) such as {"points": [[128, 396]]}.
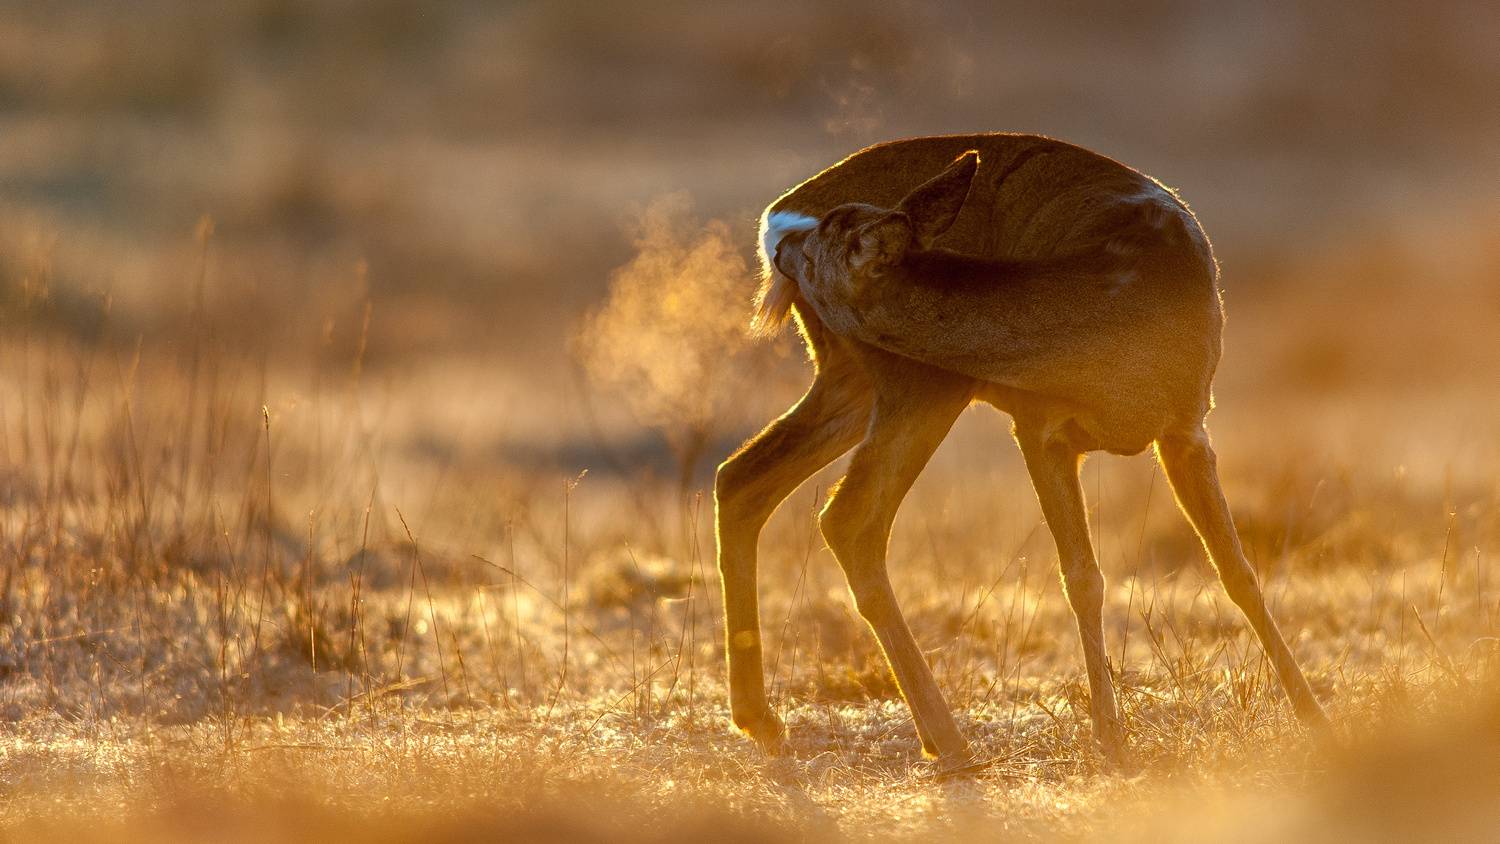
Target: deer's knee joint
{"points": [[871, 592], [1084, 584], [728, 480], [846, 527], [874, 607], [735, 496], [738, 521], [1240, 583], [857, 541], [1191, 444]]}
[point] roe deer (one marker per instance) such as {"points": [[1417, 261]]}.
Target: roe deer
{"points": [[1071, 292]]}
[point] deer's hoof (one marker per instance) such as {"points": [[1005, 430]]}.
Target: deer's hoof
{"points": [[1116, 750], [764, 728]]}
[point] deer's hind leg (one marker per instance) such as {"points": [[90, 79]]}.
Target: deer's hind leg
{"points": [[1053, 464], [914, 409], [825, 423], [1191, 468]]}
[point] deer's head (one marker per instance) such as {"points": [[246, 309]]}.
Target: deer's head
{"points": [[856, 243]]}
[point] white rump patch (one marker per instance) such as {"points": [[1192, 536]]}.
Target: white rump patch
{"points": [[775, 226]]}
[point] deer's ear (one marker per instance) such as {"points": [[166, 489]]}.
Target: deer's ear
{"points": [[935, 204], [881, 243]]}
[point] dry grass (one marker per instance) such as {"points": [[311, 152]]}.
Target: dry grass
{"points": [[285, 598], [311, 527]]}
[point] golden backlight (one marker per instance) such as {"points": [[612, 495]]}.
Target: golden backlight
{"points": [[364, 367]]}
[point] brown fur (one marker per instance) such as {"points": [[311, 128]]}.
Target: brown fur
{"points": [[1065, 289]]}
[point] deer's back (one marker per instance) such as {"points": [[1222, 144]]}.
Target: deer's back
{"points": [[1033, 197]]}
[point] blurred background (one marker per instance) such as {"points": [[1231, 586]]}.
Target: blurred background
{"points": [[476, 171], [313, 315]]}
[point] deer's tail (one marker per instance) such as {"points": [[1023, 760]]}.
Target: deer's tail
{"points": [[777, 293]]}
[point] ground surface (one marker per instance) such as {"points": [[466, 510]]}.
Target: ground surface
{"points": [[362, 372], [351, 610]]}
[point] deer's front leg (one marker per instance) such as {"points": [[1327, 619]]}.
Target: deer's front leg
{"points": [[828, 421], [913, 413], [1054, 467]]}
